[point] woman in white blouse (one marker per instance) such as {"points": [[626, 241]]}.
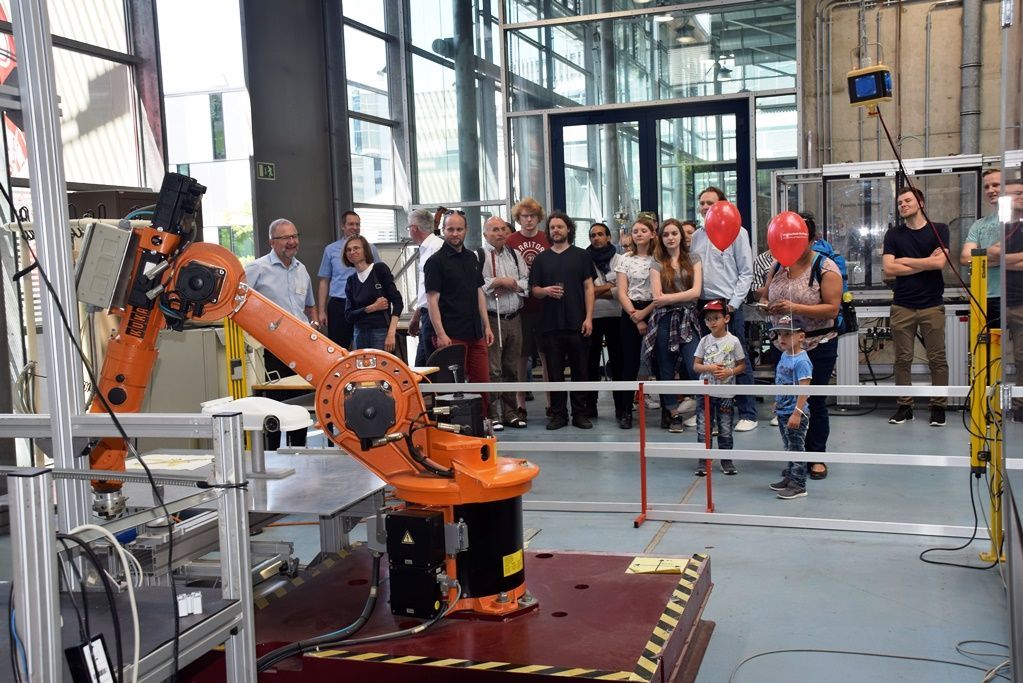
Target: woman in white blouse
{"points": [[636, 298]]}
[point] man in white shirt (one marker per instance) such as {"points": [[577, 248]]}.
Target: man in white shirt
{"points": [[284, 280], [505, 281], [421, 231], [727, 275]]}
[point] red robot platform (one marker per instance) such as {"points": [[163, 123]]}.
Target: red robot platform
{"points": [[595, 621]]}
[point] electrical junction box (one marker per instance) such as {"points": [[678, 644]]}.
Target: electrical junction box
{"points": [[415, 538]]}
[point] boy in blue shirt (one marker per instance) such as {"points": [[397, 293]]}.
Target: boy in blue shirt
{"points": [[793, 368]]}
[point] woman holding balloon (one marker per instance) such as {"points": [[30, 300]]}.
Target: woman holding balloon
{"points": [[808, 285]]}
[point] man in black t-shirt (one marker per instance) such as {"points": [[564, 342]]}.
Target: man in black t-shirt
{"points": [[562, 278], [455, 299], [915, 255]]}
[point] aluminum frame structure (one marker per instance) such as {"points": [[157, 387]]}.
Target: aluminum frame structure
{"points": [[34, 546]]}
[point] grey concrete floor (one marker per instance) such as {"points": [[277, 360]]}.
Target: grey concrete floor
{"points": [[783, 588]]}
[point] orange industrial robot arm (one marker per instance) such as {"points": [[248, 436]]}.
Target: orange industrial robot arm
{"points": [[367, 402]]}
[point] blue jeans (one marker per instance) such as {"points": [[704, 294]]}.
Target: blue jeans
{"points": [[823, 357], [369, 337], [794, 440], [666, 362], [746, 405], [723, 411]]}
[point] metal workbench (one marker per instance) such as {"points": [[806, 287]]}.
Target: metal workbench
{"points": [[334, 487]]}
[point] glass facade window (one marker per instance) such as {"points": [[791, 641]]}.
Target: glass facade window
{"points": [[372, 165], [777, 127], [99, 22], [529, 168], [204, 90], [378, 225], [367, 12], [643, 58], [366, 71], [98, 121]]}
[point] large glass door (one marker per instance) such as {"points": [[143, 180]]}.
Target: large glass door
{"points": [[610, 165], [601, 172]]}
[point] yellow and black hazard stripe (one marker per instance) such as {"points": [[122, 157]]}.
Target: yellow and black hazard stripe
{"points": [[324, 564], [647, 664], [504, 667]]}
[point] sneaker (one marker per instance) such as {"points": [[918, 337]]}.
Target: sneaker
{"points": [[652, 402], [701, 469], [677, 425], [557, 422], [774, 421], [937, 416], [529, 395], [779, 485], [581, 422], [745, 425], [625, 421], [791, 492], [687, 406], [728, 467], [903, 414], [690, 421], [497, 426]]}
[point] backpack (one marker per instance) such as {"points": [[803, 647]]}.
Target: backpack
{"points": [[845, 321]]}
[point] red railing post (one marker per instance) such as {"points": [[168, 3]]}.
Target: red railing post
{"points": [[642, 459]]}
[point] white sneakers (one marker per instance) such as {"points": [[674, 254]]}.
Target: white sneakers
{"points": [[687, 406], [745, 425]]}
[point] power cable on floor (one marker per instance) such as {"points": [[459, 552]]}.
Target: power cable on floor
{"points": [[987, 671], [973, 537]]}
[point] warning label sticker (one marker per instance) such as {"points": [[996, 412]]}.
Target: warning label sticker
{"points": [[513, 563], [407, 539]]}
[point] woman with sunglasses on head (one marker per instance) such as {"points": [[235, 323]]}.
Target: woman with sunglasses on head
{"points": [[373, 303], [636, 298], [676, 280]]}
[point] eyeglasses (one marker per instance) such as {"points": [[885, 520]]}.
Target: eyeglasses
{"points": [[285, 237], [451, 211]]}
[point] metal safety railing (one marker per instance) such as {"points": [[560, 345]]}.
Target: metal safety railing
{"points": [[644, 448]]}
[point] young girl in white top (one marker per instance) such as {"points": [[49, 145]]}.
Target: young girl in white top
{"points": [[636, 299]]}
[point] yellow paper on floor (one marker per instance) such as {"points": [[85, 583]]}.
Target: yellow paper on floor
{"points": [[657, 565]]}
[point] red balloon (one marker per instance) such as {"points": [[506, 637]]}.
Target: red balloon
{"points": [[787, 237], [722, 224]]}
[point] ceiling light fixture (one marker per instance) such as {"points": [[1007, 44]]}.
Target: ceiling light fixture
{"points": [[685, 35], [663, 18]]}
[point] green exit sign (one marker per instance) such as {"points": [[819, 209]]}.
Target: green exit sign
{"points": [[266, 171]]}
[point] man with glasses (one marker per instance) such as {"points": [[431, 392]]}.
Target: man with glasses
{"points": [[529, 241], [421, 231], [334, 276], [505, 283], [284, 280], [454, 295]]}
